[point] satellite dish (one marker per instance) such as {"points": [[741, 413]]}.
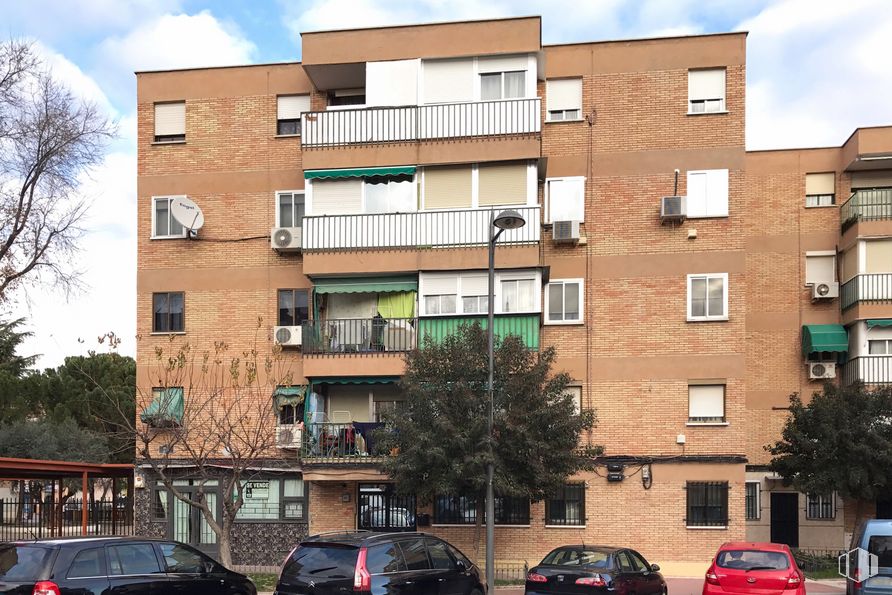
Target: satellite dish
{"points": [[187, 213]]}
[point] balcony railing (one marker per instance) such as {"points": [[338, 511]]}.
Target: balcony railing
{"points": [[871, 287], [379, 125], [420, 229], [354, 441], [869, 369], [358, 335], [866, 205]]}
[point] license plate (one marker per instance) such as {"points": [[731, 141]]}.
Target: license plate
{"points": [[880, 581]]}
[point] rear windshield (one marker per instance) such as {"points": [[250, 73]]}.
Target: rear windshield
{"points": [[22, 562], [881, 546], [752, 560], [323, 560], [577, 557]]}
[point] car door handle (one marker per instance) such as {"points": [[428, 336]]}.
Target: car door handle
{"points": [[441, 580]]}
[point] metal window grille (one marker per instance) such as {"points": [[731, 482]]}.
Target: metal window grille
{"points": [[707, 504], [820, 507], [567, 507], [753, 500], [463, 510]]}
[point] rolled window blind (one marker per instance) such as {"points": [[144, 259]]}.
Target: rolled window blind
{"points": [[290, 107], [448, 81], [170, 118], [706, 84], [502, 184], [563, 94], [337, 197], [706, 401], [502, 63], [472, 285], [820, 269], [820, 183], [879, 256], [447, 187], [446, 285]]}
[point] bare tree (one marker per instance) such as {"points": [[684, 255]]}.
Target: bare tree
{"points": [[49, 140], [225, 433]]}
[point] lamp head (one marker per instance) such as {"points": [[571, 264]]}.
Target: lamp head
{"points": [[509, 220]]}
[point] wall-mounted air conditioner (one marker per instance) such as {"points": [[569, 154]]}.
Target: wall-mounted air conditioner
{"points": [[288, 436], [286, 239], [565, 231], [673, 208], [825, 291], [821, 370], [288, 336]]}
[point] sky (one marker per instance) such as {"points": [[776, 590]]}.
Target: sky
{"points": [[816, 70]]}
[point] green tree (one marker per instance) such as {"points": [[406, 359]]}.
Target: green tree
{"points": [[439, 437], [840, 441], [16, 400], [44, 439]]}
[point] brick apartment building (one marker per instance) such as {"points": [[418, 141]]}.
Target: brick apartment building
{"points": [[369, 171]]}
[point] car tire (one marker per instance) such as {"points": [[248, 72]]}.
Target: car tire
{"points": [[476, 592]]}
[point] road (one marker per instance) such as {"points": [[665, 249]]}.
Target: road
{"points": [[694, 586]]}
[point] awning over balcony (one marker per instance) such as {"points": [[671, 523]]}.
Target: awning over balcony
{"points": [[879, 322], [367, 285], [285, 396], [824, 338], [355, 380], [365, 172]]}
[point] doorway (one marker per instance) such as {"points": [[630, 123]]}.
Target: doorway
{"points": [[380, 509], [187, 523], [785, 518]]}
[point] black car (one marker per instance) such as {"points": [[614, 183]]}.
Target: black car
{"points": [[575, 569], [130, 565], [381, 563]]}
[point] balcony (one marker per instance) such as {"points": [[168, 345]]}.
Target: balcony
{"points": [[359, 336], [866, 205], [525, 326], [420, 229], [384, 125], [870, 369], [352, 442], [866, 288]]}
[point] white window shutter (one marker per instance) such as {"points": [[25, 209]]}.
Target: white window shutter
{"points": [[440, 285], [472, 285], [820, 183], [170, 118], [717, 193], [502, 63], [563, 94], [447, 81], [706, 400], [290, 107], [566, 200], [706, 84], [820, 269], [696, 200]]}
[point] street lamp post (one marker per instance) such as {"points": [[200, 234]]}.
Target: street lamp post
{"points": [[505, 220]]}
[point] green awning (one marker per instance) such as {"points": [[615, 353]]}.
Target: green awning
{"points": [[165, 409], [525, 326], [356, 380], [366, 285], [285, 396], [824, 338], [366, 172], [879, 322]]}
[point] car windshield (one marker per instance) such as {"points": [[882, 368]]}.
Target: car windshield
{"points": [[323, 560], [752, 560], [577, 557], [22, 562], [881, 547]]}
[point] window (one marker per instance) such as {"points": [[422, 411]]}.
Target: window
{"points": [[563, 99], [575, 393], [383, 408], [136, 558], [439, 554], [439, 304], [820, 268], [706, 91], [475, 294], [294, 500], [820, 507], [168, 312], [563, 301], [290, 209], [440, 294], [753, 500], [707, 504], [288, 111], [565, 199], [395, 194], [879, 346], [820, 189], [293, 307], [502, 85], [516, 291], [708, 297], [517, 295], [182, 559], [707, 193], [462, 510], [502, 183], [511, 510], [567, 507], [415, 554], [160, 502], [384, 559], [88, 564], [706, 403], [164, 225], [346, 97], [170, 122], [273, 500]]}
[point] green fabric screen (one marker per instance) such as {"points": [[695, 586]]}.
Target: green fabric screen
{"points": [[397, 304], [367, 172], [879, 322], [824, 338], [524, 326], [366, 285], [284, 396], [356, 380], [167, 407]]}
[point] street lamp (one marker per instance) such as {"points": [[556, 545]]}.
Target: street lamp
{"points": [[509, 219]]}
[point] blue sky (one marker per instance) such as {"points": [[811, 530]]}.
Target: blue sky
{"points": [[816, 69]]}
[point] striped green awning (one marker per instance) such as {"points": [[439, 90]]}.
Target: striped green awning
{"points": [[879, 322], [367, 284], [824, 338], [355, 380], [365, 172], [285, 396], [167, 408]]}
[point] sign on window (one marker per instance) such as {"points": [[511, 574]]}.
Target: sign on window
{"points": [[257, 490]]}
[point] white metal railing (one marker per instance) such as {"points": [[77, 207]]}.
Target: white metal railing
{"points": [[469, 227]]}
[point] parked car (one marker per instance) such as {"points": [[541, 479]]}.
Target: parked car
{"points": [[575, 569], [114, 565], [757, 568], [363, 562], [875, 536]]}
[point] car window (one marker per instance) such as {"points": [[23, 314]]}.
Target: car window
{"points": [[625, 564], [322, 560], [132, 558], [180, 558], [752, 559], [881, 547], [22, 562], [87, 563], [459, 557], [415, 554], [639, 562], [439, 555], [384, 558]]}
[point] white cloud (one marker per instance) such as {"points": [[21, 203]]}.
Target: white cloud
{"points": [[68, 73]]}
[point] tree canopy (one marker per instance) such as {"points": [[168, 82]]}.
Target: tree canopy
{"points": [[45, 439], [839, 441], [439, 437]]}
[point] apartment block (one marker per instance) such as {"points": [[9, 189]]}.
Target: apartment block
{"points": [[687, 285]]}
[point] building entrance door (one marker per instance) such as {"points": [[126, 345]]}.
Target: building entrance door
{"points": [[785, 518], [188, 524], [380, 509]]}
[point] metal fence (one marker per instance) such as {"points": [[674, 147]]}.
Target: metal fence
{"points": [[869, 287], [866, 205], [358, 335], [335, 441], [377, 125], [39, 518], [871, 369]]}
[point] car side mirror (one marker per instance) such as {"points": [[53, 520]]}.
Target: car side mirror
{"points": [[461, 565], [655, 567]]}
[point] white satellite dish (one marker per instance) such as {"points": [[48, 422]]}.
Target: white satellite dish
{"points": [[187, 213]]}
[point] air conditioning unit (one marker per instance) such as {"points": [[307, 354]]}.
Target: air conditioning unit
{"points": [[673, 208], [565, 231], [286, 239], [288, 336], [821, 370], [825, 291], [288, 436]]}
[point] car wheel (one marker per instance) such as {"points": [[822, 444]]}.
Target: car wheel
{"points": [[476, 592]]}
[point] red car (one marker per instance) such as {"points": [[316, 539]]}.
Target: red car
{"points": [[754, 568]]}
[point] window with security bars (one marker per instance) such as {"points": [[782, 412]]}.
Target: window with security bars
{"points": [[567, 507], [753, 500], [820, 507], [707, 504], [463, 510]]}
